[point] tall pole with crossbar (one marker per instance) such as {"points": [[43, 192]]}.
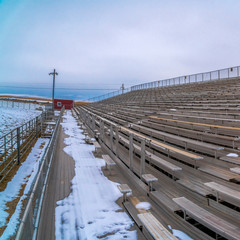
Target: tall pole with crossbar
{"points": [[53, 73]]}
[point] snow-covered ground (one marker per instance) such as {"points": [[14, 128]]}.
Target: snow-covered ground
{"points": [[11, 118], [90, 211], [25, 175], [21, 104]]}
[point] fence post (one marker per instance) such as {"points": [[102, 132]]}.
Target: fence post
{"points": [[36, 127], [41, 124], [5, 148], [18, 146]]}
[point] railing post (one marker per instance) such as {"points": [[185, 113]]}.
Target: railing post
{"points": [[111, 137], [18, 146], [93, 122], [117, 141], [131, 151], [101, 130], [142, 167]]}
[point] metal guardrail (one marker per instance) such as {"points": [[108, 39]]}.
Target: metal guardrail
{"points": [[109, 95], [16, 143], [28, 228], [226, 73]]}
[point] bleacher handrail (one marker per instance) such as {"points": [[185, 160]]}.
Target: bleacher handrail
{"points": [[29, 223], [225, 73]]}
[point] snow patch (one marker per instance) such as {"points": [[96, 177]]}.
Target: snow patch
{"points": [[143, 205], [90, 211], [232, 155], [179, 234]]}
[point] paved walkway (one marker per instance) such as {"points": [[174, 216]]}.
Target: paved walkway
{"points": [[59, 188]]}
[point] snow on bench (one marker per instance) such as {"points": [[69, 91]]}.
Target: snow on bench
{"points": [[211, 221], [124, 189], [149, 178], [235, 170], [155, 228], [109, 162], [224, 193], [96, 133], [88, 140], [97, 147]]}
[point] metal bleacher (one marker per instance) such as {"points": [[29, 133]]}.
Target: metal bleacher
{"points": [[191, 137]]}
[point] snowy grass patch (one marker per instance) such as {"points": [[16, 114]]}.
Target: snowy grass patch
{"points": [[25, 175], [11, 118]]}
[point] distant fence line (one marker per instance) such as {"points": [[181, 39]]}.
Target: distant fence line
{"points": [[22, 105], [226, 73]]}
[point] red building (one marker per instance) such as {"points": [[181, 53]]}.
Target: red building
{"points": [[59, 103]]}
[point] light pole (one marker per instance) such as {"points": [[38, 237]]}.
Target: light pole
{"points": [[53, 73]]}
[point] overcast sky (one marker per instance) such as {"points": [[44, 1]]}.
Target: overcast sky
{"points": [[103, 43]]}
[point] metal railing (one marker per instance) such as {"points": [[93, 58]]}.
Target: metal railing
{"points": [[22, 105], [226, 73], [16, 143], [28, 228], [109, 95]]}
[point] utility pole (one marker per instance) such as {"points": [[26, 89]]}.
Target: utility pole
{"points": [[53, 73]]}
